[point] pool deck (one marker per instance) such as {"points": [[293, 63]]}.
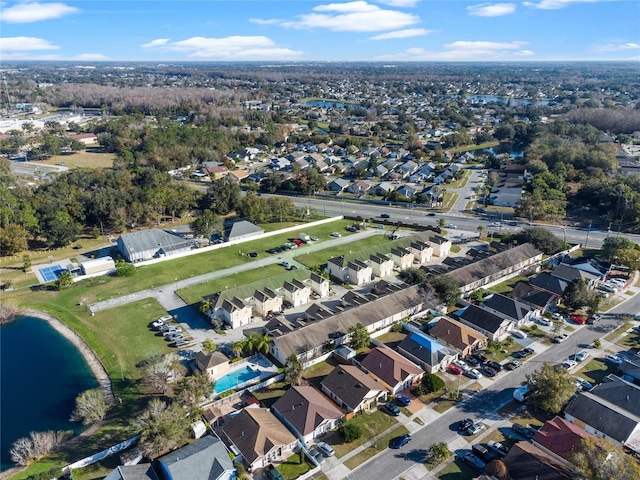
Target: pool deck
{"points": [[258, 363]]}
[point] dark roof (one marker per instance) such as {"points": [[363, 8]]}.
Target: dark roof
{"points": [[206, 459], [142, 471], [560, 436], [509, 307], [525, 461], [350, 384], [305, 408], [400, 252], [534, 296], [317, 311], [317, 278], [379, 259], [208, 360], [388, 365], [494, 264], [549, 283], [264, 294], [482, 318], [624, 394], [568, 273], [425, 348]]}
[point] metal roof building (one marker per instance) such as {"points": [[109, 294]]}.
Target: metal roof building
{"points": [[153, 243]]}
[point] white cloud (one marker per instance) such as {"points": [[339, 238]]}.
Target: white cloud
{"points": [[400, 3], [621, 47], [158, 42], [358, 16], [409, 32], [228, 48], [95, 57], [25, 44], [492, 9], [271, 21], [554, 4], [465, 51], [34, 12]]}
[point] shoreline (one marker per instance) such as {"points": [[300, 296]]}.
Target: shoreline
{"points": [[88, 354]]}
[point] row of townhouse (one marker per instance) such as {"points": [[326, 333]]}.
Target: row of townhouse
{"points": [[417, 250]]}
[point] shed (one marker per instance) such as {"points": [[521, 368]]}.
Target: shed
{"points": [[98, 265]]}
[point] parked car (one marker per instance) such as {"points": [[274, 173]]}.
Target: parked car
{"points": [[581, 356], [497, 447], [569, 364], [313, 238], [403, 400], [544, 321], [483, 453], [609, 357], [180, 343], [474, 461], [253, 254], [461, 364], [488, 371], [557, 316], [292, 267], [273, 473], [526, 432], [518, 334], [316, 454], [560, 338], [473, 373], [464, 424], [392, 409], [454, 369], [579, 319], [400, 441], [476, 428], [495, 365], [527, 351], [594, 319], [335, 234], [326, 449], [284, 264], [471, 360], [513, 365], [584, 384]]}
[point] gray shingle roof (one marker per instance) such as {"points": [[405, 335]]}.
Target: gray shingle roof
{"points": [[152, 240], [548, 283], [204, 459], [305, 408], [482, 318], [510, 307], [241, 228], [350, 384]]}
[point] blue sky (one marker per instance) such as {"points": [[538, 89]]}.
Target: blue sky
{"points": [[310, 30]]}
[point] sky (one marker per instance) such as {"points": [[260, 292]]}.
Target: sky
{"points": [[311, 30]]}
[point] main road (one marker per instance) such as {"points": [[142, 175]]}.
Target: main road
{"points": [[483, 406], [466, 225]]}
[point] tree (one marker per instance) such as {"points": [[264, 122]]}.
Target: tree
{"points": [[205, 305], [190, 391], [13, 239], [160, 371], [441, 222], [350, 432], [550, 388], [223, 195], [481, 228], [599, 459], [360, 337], [26, 263], [91, 407], [209, 346], [206, 224], [413, 276], [161, 427], [38, 444], [431, 383], [64, 280], [293, 370], [577, 294], [447, 289], [439, 451], [621, 251], [238, 348], [541, 238]]}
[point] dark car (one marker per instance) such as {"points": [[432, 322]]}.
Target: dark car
{"points": [[513, 365], [471, 360], [518, 354], [482, 452], [464, 424], [497, 448], [392, 409], [488, 371], [403, 400], [400, 441], [526, 432], [528, 351], [384, 215], [431, 214], [481, 358], [474, 461], [316, 454], [253, 254], [273, 473], [292, 267], [495, 365]]}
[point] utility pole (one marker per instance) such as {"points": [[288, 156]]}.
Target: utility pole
{"points": [[586, 242]]}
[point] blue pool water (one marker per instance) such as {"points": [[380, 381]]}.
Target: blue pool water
{"points": [[235, 378], [49, 274]]}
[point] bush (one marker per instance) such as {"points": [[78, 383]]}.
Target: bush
{"points": [[432, 383], [350, 432], [125, 270], [397, 327]]}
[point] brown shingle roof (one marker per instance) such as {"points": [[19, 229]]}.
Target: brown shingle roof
{"points": [[391, 367], [350, 384], [305, 407], [560, 436], [455, 333]]}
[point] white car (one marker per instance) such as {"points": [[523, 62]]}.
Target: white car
{"points": [[557, 316], [518, 334], [544, 321], [473, 373], [335, 234], [462, 365], [451, 225], [609, 357], [569, 364]]}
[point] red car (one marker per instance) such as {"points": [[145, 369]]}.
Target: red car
{"points": [[456, 370], [578, 319]]}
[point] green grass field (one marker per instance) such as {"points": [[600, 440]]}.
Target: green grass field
{"points": [[372, 450], [372, 425]]}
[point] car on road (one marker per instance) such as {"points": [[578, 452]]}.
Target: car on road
{"points": [[451, 225], [560, 338], [495, 224], [326, 449], [384, 215], [400, 441], [615, 359], [392, 409], [454, 369], [474, 461], [513, 365], [292, 267], [476, 428], [473, 373], [497, 447], [403, 400], [431, 214], [579, 319], [464, 424], [284, 264], [335, 234], [273, 473], [316, 454], [526, 432], [544, 321]]}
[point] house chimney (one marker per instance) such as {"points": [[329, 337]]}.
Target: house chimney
{"points": [[293, 407]]}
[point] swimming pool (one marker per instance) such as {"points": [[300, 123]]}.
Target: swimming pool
{"points": [[235, 378], [49, 274]]}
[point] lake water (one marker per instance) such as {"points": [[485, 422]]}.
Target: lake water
{"points": [[41, 374]]}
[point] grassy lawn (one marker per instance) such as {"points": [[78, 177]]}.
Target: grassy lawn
{"points": [[508, 346], [372, 425], [497, 209], [534, 332], [458, 470], [320, 257], [608, 304], [595, 371], [455, 249], [292, 467], [372, 450], [618, 331], [631, 340], [84, 159], [271, 393], [443, 404], [508, 285], [392, 337], [461, 182], [320, 370], [449, 200]]}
